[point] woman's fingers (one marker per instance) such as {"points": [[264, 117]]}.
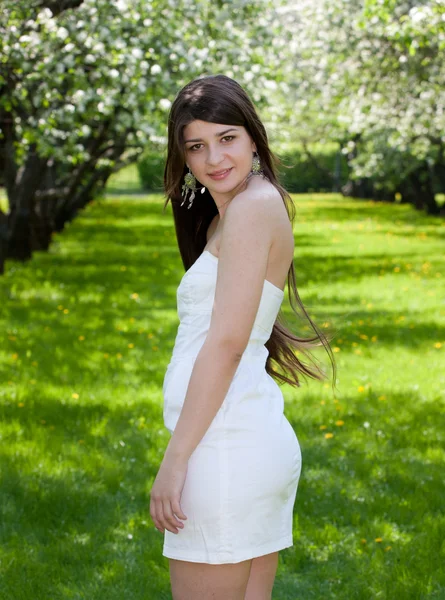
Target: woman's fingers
{"points": [[171, 522], [164, 515], [178, 510], [156, 514]]}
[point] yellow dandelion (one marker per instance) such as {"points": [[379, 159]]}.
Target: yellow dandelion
{"points": [[363, 541], [378, 540], [106, 355], [74, 395], [361, 388], [32, 381], [396, 269], [135, 296], [132, 319], [374, 338], [119, 355], [66, 311], [336, 349], [339, 422], [155, 348], [357, 351], [20, 404], [354, 344], [15, 356], [369, 305], [361, 322], [12, 338], [328, 435], [81, 338], [34, 363], [131, 345], [123, 268], [322, 402], [387, 548], [363, 336], [383, 397], [323, 426], [60, 307], [438, 345], [149, 336]]}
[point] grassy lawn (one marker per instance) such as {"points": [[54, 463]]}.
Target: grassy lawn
{"points": [[88, 331]]}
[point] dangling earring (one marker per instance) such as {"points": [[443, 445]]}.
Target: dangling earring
{"points": [[256, 164], [190, 185], [256, 167]]}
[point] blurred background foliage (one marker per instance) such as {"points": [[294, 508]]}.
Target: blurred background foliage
{"points": [[352, 94]]}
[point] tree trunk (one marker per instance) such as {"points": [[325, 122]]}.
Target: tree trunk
{"points": [[3, 240], [21, 206]]}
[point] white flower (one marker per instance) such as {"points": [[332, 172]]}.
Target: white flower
{"points": [[78, 95], [62, 33], [155, 69], [164, 104]]}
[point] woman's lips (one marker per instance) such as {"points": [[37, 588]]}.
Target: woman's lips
{"points": [[222, 175]]}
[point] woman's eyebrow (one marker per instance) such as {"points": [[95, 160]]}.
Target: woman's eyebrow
{"points": [[216, 135]]}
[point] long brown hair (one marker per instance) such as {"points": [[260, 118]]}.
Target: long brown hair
{"points": [[220, 99]]}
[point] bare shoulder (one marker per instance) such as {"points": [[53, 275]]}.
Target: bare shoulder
{"points": [[259, 202], [262, 196], [261, 208]]}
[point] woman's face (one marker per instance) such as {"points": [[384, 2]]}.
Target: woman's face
{"points": [[213, 147]]}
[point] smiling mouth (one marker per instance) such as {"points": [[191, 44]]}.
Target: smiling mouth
{"points": [[219, 172]]}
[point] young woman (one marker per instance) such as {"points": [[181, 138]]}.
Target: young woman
{"points": [[225, 491]]}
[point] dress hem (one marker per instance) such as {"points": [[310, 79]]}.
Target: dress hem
{"points": [[281, 544]]}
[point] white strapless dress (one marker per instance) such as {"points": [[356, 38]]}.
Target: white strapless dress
{"points": [[242, 478]]}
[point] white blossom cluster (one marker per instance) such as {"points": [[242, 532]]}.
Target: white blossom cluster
{"points": [[368, 70], [109, 71]]}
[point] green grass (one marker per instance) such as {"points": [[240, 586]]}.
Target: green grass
{"points": [[88, 331], [125, 181]]}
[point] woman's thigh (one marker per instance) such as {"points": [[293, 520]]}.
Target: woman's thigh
{"points": [[262, 577], [202, 581]]}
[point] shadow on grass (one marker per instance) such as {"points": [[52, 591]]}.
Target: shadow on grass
{"points": [[79, 500], [381, 482]]}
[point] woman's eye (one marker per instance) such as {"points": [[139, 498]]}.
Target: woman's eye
{"points": [[193, 148]]}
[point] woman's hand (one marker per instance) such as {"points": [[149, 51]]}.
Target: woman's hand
{"points": [[166, 494]]}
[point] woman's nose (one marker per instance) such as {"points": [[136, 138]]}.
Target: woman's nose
{"points": [[214, 156]]}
